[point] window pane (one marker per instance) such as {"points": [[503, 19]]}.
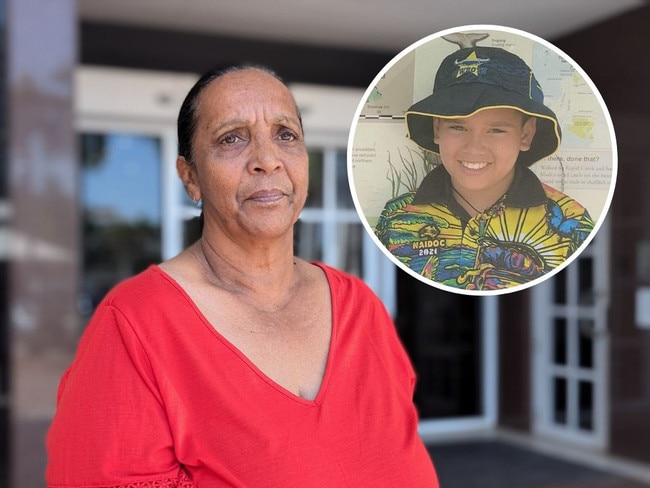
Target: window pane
{"points": [[559, 341], [191, 231], [350, 244], [559, 400], [308, 239], [559, 282], [315, 195], [344, 197], [120, 201], [586, 283], [586, 403], [586, 343]]}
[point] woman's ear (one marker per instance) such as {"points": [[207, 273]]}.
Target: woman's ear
{"points": [[187, 173], [528, 133]]}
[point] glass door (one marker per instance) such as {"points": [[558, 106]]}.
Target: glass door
{"points": [[129, 201], [452, 341], [570, 349], [120, 201]]}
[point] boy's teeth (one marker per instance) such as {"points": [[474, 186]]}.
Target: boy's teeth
{"points": [[469, 165]]}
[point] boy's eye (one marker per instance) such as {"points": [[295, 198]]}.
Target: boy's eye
{"points": [[457, 127]]}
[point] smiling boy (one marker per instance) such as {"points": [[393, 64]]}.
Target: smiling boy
{"points": [[482, 220]]}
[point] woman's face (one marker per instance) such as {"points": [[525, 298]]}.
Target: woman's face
{"points": [[250, 164]]}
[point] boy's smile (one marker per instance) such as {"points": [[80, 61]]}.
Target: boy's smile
{"points": [[480, 151], [470, 165]]}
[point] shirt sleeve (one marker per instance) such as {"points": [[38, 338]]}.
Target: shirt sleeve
{"points": [[111, 427]]}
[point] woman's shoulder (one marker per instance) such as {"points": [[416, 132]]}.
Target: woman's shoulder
{"points": [[149, 304], [149, 286]]}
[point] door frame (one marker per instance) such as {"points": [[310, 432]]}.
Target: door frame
{"points": [[431, 430]]}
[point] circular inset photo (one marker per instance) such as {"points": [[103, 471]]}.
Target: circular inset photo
{"points": [[482, 160]]}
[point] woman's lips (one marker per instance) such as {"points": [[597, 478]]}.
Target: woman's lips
{"points": [[266, 196]]}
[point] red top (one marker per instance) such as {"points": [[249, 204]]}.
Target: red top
{"points": [[156, 397]]}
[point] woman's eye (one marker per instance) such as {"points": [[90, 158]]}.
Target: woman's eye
{"points": [[288, 135], [230, 139]]}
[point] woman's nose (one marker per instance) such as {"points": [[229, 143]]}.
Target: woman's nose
{"points": [[264, 156]]}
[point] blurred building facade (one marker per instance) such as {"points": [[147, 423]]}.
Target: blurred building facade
{"points": [[89, 196]]}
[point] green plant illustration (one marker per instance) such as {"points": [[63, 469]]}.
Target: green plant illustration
{"points": [[406, 174]]}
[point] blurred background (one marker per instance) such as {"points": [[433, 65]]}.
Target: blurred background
{"points": [[545, 387]]}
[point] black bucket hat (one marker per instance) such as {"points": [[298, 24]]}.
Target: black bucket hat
{"points": [[475, 78]]}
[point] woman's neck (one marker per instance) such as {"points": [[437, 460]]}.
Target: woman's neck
{"points": [[262, 274]]}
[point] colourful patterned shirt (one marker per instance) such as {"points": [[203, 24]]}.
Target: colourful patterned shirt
{"points": [[532, 229]]}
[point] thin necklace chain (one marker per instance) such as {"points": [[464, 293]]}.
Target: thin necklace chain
{"points": [[466, 200], [470, 204]]}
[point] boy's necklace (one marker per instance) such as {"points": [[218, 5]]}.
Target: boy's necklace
{"points": [[466, 201]]}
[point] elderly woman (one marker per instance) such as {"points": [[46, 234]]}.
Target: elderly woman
{"points": [[236, 363]]}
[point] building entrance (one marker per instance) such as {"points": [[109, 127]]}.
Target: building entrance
{"points": [[450, 339]]}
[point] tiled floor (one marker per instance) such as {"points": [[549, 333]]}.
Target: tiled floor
{"points": [[499, 464]]}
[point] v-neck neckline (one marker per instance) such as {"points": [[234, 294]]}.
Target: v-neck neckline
{"points": [[248, 362]]}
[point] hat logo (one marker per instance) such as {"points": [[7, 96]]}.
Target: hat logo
{"points": [[471, 64]]}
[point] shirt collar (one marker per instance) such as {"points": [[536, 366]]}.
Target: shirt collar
{"points": [[525, 191]]}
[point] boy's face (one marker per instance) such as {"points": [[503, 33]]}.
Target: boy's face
{"points": [[480, 151]]}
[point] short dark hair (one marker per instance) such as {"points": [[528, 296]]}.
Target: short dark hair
{"points": [[187, 117]]}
